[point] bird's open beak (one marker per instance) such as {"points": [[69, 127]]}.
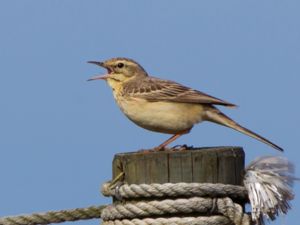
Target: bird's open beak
{"points": [[99, 77]]}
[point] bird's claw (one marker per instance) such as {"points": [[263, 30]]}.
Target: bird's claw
{"points": [[160, 149], [156, 149], [181, 147]]}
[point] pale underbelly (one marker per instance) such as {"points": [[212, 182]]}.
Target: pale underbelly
{"points": [[164, 117]]}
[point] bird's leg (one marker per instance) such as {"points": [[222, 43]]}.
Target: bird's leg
{"points": [[170, 140]]}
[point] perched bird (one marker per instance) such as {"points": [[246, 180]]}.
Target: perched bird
{"points": [[163, 105]]}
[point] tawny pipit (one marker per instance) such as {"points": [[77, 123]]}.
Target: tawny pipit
{"points": [[162, 105]]}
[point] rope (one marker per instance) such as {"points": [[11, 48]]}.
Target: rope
{"points": [[174, 190], [54, 216], [211, 220], [210, 200], [224, 206]]}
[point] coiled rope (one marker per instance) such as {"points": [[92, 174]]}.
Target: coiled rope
{"points": [[208, 204], [174, 190]]}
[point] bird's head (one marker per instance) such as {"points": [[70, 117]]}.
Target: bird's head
{"points": [[119, 70]]}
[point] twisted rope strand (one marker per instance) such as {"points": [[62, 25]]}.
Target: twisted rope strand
{"points": [[223, 206], [91, 212], [211, 220], [175, 190]]}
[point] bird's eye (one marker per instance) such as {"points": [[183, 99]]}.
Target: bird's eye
{"points": [[120, 65]]}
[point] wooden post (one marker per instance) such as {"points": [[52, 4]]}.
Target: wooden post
{"points": [[202, 165]]}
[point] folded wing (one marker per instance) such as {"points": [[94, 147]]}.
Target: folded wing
{"points": [[154, 89]]}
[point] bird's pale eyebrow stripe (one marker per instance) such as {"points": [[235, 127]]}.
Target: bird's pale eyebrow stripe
{"points": [[128, 63]]}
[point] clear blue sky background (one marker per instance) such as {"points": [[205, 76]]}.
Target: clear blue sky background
{"points": [[59, 133]]}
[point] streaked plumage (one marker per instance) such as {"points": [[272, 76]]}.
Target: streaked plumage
{"points": [[162, 105], [154, 89]]}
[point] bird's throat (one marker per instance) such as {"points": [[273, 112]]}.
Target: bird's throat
{"points": [[115, 85]]}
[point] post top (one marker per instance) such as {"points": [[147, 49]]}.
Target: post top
{"points": [[204, 150], [202, 165]]}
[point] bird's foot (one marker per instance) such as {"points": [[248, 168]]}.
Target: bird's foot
{"points": [[159, 149], [155, 149], [181, 147], [163, 148], [145, 151]]}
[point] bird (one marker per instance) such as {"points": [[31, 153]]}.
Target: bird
{"points": [[162, 105]]}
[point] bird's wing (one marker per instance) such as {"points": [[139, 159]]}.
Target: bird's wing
{"points": [[154, 89]]}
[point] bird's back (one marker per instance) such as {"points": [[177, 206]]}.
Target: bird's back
{"points": [[155, 89]]}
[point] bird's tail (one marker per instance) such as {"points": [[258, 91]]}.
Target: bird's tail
{"points": [[216, 116]]}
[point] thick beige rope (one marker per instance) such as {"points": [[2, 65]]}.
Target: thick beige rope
{"points": [[203, 220], [146, 212], [204, 206], [126, 191], [54, 216]]}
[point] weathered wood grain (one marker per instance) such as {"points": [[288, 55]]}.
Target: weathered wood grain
{"points": [[203, 165]]}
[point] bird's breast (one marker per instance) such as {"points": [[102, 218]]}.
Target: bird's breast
{"points": [[160, 116]]}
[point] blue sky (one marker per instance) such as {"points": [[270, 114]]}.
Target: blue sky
{"points": [[59, 133]]}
